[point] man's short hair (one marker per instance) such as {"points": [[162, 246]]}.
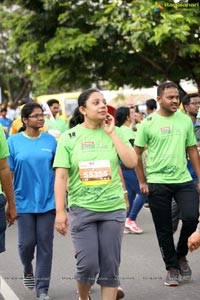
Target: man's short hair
{"points": [[165, 85], [52, 101], [187, 97]]}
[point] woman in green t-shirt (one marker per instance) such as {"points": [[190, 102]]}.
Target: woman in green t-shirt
{"points": [[87, 158], [135, 197]]}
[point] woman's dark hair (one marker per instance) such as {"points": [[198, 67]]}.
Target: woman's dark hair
{"points": [[83, 97], [77, 118], [151, 104], [121, 115], [27, 111]]}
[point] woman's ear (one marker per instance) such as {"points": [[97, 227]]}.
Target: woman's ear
{"points": [[82, 110], [24, 120]]}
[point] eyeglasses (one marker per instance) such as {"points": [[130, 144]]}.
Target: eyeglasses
{"points": [[37, 116], [195, 103]]}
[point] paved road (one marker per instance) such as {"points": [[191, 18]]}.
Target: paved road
{"points": [[142, 269]]}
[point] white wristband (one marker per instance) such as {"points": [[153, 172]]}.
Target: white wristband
{"points": [[125, 192]]}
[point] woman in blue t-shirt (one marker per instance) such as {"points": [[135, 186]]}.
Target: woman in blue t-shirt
{"points": [[30, 160]]}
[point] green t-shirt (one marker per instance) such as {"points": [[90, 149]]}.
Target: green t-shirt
{"points": [[92, 160], [128, 133], [55, 128], [4, 152], [166, 138]]}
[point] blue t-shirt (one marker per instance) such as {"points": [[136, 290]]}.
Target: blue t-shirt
{"points": [[31, 162], [6, 123]]}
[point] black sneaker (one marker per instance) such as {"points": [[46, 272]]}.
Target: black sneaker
{"points": [[29, 281], [185, 270], [173, 277]]}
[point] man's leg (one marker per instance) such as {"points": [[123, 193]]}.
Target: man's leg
{"points": [[175, 215], [160, 199]]}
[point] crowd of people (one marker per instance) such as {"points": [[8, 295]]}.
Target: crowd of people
{"points": [[99, 170]]}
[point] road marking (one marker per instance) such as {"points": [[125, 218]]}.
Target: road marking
{"points": [[6, 291]]}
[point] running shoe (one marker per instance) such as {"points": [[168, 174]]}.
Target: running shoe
{"points": [[43, 296], [133, 227], [185, 270], [126, 230], [29, 281], [173, 277]]}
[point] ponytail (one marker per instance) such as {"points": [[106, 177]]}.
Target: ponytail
{"points": [[76, 119]]}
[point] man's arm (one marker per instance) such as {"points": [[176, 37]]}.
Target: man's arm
{"points": [[6, 182], [140, 171], [195, 161]]}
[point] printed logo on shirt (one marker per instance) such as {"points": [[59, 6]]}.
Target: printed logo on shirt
{"points": [[72, 134], [46, 149], [167, 130], [90, 145], [85, 146]]}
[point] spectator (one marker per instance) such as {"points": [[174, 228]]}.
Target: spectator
{"points": [[5, 122], [55, 126]]}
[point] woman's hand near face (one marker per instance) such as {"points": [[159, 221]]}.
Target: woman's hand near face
{"points": [[108, 124]]}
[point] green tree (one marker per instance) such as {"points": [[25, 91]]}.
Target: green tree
{"points": [[64, 45], [14, 78]]}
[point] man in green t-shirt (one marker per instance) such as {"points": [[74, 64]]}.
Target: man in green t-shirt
{"points": [[55, 125], [6, 182], [168, 133]]}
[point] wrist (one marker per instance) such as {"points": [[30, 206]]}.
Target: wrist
{"points": [[198, 229], [112, 133], [125, 192]]}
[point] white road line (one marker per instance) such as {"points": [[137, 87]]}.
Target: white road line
{"points": [[6, 291]]}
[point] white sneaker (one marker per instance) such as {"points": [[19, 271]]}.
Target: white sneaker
{"points": [[126, 230], [133, 227]]}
